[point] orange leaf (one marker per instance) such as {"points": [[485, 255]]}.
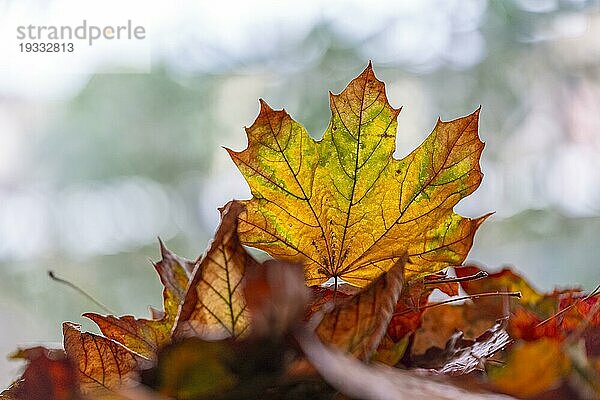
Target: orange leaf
{"points": [[409, 309], [145, 336], [504, 281], [520, 377], [440, 322], [104, 365], [49, 375]]}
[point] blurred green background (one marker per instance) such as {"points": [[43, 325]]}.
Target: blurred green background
{"points": [[93, 168]]}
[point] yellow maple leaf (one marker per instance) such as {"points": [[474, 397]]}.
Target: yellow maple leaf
{"points": [[343, 206]]}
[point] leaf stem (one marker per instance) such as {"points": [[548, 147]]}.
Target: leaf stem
{"points": [[470, 297], [79, 290], [474, 277], [595, 292], [335, 288]]}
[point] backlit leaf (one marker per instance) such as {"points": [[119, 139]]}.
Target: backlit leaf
{"points": [[49, 375], [503, 281], [409, 310], [357, 324], [104, 365], [276, 296], [343, 206], [147, 336], [214, 306], [461, 356], [519, 376], [194, 368], [576, 312]]}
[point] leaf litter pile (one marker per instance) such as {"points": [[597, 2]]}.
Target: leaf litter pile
{"points": [[343, 310]]}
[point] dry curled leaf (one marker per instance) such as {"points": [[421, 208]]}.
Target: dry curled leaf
{"points": [[357, 324], [49, 375], [407, 316], [440, 322], [276, 297], [461, 356], [104, 365], [379, 382], [147, 336], [343, 206], [214, 305]]}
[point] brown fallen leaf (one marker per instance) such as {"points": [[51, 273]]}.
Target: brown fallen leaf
{"points": [[276, 296], [357, 380], [357, 324], [49, 375], [328, 296], [461, 356], [104, 366], [214, 305], [440, 322], [147, 336], [407, 316]]}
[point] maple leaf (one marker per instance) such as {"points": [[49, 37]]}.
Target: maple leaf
{"points": [[145, 336], [214, 306], [505, 280], [343, 206], [276, 296], [104, 366], [357, 324], [407, 316], [49, 375], [358, 380], [440, 322], [461, 356], [518, 377]]}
